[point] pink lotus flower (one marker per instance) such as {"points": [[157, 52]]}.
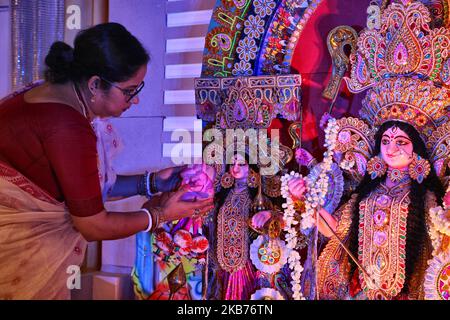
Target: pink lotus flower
{"points": [[200, 181]]}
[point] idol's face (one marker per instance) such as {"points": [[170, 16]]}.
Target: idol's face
{"points": [[396, 148], [239, 168]]}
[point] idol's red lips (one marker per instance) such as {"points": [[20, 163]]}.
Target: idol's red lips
{"points": [[392, 155]]}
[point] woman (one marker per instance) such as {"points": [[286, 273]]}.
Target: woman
{"points": [[51, 200], [384, 224]]}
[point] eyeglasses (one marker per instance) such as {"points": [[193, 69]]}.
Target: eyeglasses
{"points": [[129, 93]]}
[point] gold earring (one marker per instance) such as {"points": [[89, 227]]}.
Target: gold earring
{"points": [[93, 99], [419, 168], [376, 167], [227, 180], [253, 179]]}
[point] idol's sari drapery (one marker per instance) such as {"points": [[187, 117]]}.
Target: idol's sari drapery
{"points": [[38, 242]]}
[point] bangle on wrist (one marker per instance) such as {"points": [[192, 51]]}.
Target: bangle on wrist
{"points": [[152, 183], [144, 185], [156, 214], [150, 220], [147, 185], [153, 218]]}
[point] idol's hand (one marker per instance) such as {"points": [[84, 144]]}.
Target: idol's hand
{"points": [[303, 157], [259, 219], [297, 188], [326, 221], [447, 199]]}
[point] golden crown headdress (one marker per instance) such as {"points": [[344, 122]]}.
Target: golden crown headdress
{"points": [[405, 66]]}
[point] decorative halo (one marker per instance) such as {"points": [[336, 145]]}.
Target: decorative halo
{"points": [[268, 255], [437, 278], [266, 294]]}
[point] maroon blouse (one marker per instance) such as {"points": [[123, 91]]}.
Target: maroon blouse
{"points": [[54, 146]]}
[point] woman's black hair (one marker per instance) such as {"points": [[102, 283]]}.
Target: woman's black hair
{"points": [[107, 50], [417, 236]]}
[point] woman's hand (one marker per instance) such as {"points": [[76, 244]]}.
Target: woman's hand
{"points": [[259, 219], [174, 208], [297, 188], [168, 179]]}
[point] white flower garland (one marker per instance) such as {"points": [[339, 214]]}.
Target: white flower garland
{"points": [[317, 189], [291, 236], [314, 198], [440, 226], [347, 164]]}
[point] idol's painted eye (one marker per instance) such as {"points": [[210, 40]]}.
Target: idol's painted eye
{"points": [[385, 142], [402, 142]]}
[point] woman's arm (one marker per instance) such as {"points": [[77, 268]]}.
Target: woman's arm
{"points": [[125, 186], [165, 180], [111, 225], [115, 225]]}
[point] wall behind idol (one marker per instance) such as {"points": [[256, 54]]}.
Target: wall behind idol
{"points": [[173, 32]]}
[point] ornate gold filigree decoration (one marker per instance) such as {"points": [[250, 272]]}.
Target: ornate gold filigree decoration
{"points": [[248, 102], [337, 39]]}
